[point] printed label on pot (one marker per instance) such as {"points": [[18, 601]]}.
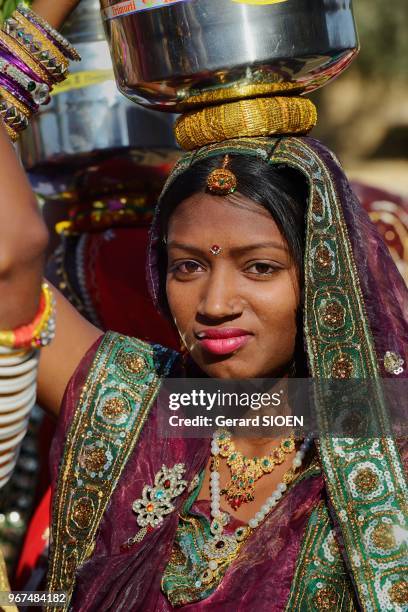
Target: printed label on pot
{"points": [[127, 7]]}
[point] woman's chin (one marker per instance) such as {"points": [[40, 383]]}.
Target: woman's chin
{"points": [[225, 366]]}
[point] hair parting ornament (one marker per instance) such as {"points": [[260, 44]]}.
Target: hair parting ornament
{"points": [[222, 181]]}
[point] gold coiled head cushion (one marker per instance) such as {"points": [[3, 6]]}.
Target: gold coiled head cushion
{"points": [[245, 118]]}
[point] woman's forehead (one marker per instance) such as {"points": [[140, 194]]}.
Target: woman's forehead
{"points": [[233, 218]]}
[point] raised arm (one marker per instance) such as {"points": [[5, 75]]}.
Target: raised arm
{"points": [[54, 12], [23, 239]]}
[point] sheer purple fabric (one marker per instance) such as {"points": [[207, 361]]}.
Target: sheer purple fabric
{"points": [[117, 580]]}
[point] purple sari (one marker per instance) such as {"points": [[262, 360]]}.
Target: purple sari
{"points": [[114, 579]]}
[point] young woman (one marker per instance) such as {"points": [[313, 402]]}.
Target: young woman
{"points": [[267, 266]]}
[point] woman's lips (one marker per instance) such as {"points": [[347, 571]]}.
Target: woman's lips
{"points": [[223, 341]]}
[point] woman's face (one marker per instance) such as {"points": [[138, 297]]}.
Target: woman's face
{"points": [[235, 311]]}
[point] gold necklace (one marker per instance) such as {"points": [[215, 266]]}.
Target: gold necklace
{"points": [[245, 472]]}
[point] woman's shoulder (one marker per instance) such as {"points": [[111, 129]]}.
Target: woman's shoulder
{"points": [[133, 357]]}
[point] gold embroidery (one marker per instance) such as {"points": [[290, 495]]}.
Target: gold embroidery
{"points": [[317, 207], [323, 256], [326, 599], [366, 480], [134, 363], [93, 459], [399, 592], [333, 314], [82, 512], [342, 367], [383, 537], [114, 408]]}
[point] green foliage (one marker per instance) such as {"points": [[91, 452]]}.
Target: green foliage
{"points": [[7, 7]]}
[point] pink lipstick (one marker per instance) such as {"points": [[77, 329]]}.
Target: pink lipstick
{"points": [[223, 341]]}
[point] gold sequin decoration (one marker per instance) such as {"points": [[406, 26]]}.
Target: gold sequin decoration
{"points": [[83, 512], [94, 459], [326, 599], [333, 315], [246, 118], [383, 537], [70, 566], [323, 257], [366, 481], [114, 408], [317, 207], [398, 593], [342, 367], [135, 364]]}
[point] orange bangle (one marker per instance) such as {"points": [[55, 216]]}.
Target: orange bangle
{"points": [[40, 331]]}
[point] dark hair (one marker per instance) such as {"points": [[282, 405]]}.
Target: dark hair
{"points": [[282, 190]]}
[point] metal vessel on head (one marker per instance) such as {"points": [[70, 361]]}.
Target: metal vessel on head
{"points": [[176, 55]]}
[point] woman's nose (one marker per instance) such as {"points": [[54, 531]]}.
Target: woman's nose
{"points": [[220, 296]]}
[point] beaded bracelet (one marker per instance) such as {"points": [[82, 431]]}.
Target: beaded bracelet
{"points": [[40, 331]]}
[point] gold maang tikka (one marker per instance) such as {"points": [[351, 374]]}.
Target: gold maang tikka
{"points": [[222, 181]]}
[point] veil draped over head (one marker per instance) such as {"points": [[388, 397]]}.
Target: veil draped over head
{"points": [[355, 326]]}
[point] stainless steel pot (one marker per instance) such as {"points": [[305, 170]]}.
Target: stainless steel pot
{"points": [[87, 113], [177, 54]]}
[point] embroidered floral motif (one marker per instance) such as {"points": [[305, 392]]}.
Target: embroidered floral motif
{"points": [[342, 367], [366, 480], [383, 537], [333, 314], [82, 512], [398, 593], [326, 599]]}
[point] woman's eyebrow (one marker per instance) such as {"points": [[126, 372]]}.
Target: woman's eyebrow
{"points": [[235, 250]]}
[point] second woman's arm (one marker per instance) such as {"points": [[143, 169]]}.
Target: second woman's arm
{"points": [[23, 239]]}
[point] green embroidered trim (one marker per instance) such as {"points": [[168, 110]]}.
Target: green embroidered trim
{"points": [[364, 476], [321, 581], [115, 402]]}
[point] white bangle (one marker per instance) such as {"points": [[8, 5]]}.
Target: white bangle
{"points": [[21, 368], [17, 384], [13, 402], [13, 430], [7, 457], [10, 417], [7, 469], [12, 442]]}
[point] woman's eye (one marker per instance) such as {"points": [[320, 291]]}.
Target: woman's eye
{"points": [[187, 267], [262, 268]]}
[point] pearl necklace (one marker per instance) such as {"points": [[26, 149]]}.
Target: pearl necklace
{"points": [[222, 549]]}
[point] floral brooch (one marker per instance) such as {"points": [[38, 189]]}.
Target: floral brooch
{"points": [[156, 501]]}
